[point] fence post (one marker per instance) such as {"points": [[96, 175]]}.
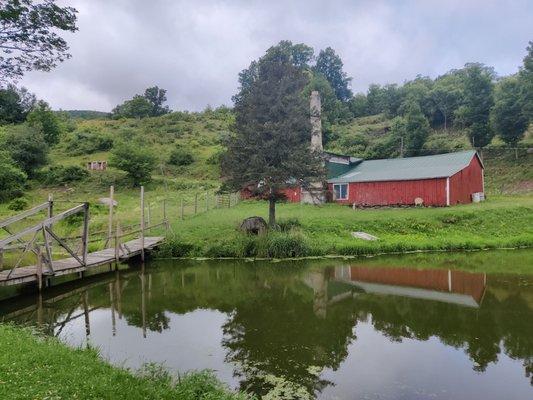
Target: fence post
{"points": [[39, 268], [142, 223], [117, 242], [181, 209], [50, 214], [85, 239], [110, 221]]}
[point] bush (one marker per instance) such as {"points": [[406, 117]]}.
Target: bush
{"points": [[18, 204], [136, 161], [180, 157], [89, 141], [287, 224], [26, 147], [285, 245], [12, 179], [60, 174]]}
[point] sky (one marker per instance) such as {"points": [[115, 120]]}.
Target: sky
{"points": [[195, 49]]}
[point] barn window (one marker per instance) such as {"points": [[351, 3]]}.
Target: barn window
{"points": [[341, 191]]}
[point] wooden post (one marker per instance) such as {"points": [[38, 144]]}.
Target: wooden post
{"points": [[39, 269], [195, 203], [117, 242], [143, 301], [50, 214], [110, 221], [113, 306], [85, 234], [142, 223], [181, 209], [148, 215]]}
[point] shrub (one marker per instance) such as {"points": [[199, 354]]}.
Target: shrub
{"points": [[12, 179], [287, 224], [283, 245], [174, 247], [18, 204], [60, 174], [89, 141], [136, 161], [26, 147], [43, 118], [180, 157]]}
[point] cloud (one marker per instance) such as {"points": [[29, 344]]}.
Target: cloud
{"points": [[195, 49]]}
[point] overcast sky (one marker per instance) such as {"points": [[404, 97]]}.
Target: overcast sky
{"points": [[195, 49]]}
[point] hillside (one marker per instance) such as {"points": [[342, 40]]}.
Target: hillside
{"points": [[201, 135]]}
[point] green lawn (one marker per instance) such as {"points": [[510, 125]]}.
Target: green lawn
{"points": [[33, 367], [500, 222]]}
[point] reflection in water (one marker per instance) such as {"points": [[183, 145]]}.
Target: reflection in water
{"points": [[338, 330]]}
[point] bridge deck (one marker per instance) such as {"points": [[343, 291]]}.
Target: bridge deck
{"points": [[71, 265]]}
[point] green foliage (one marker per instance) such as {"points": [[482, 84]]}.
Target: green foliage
{"points": [[180, 157], [137, 161], [60, 174], [15, 104], [27, 147], [45, 368], [478, 100], [416, 129], [32, 29], [138, 107], [508, 118], [330, 66], [12, 179], [43, 118], [288, 224], [18, 204], [148, 105], [526, 81], [87, 141]]}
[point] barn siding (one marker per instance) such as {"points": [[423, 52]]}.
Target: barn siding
{"points": [[467, 181], [432, 191], [293, 194]]}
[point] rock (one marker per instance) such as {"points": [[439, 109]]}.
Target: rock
{"points": [[107, 201], [254, 226], [364, 236]]}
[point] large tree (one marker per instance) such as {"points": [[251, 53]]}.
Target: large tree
{"points": [[330, 65], [474, 114], [446, 96], [29, 38], [43, 118], [157, 96], [508, 118], [15, 104], [271, 144], [27, 147], [526, 81]]}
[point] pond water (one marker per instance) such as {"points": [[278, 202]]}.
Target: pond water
{"points": [[413, 327]]}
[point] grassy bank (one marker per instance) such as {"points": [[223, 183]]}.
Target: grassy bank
{"points": [[500, 222], [37, 368]]}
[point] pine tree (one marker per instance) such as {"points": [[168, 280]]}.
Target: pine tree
{"points": [[271, 144]]}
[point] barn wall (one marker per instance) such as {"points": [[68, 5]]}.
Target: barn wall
{"points": [[465, 182], [293, 194], [432, 191]]}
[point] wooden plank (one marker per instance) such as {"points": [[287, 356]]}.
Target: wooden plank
{"points": [[71, 265], [22, 215]]}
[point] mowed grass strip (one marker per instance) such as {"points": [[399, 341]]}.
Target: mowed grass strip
{"points": [[500, 222]]}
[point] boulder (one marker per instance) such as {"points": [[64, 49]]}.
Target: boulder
{"points": [[254, 226]]}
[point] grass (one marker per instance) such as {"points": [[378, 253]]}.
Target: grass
{"points": [[500, 222], [33, 367]]}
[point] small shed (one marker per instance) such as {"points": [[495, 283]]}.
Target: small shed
{"points": [[437, 180]]}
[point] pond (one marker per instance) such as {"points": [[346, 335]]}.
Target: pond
{"points": [[434, 326]]}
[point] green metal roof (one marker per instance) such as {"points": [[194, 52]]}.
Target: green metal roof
{"points": [[411, 168], [335, 169]]}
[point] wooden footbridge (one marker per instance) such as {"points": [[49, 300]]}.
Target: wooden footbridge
{"points": [[38, 241]]}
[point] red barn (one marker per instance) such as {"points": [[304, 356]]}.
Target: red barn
{"points": [[438, 180]]}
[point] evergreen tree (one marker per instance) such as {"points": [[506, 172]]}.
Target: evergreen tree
{"points": [[508, 118], [271, 144]]}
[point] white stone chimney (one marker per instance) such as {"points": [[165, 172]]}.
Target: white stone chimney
{"points": [[316, 122]]}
